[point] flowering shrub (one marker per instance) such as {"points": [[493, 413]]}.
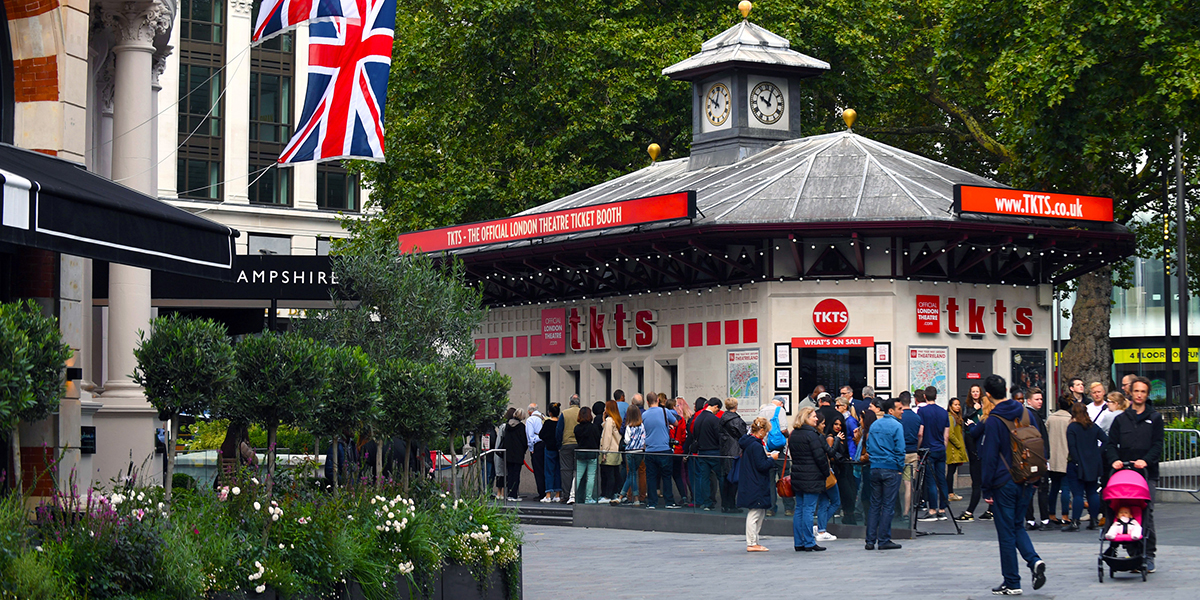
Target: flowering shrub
{"points": [[238, 538]]}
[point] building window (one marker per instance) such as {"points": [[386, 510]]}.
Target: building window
{"points": [[337, 189], [269, 244], [201, 80], [202, 21], [323, 246], [272, 71]]}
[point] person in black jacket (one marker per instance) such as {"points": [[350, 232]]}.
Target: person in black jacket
{"points": [[1083, 470], [552, 439], [810, 467], [733, 427], [706, 444], [1136, 436], [515, 445], [754, 480]]}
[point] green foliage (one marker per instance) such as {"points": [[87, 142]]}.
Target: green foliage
{"points": [[476, 398], [16, 379], [353, 389], [208, 435], [32, 576], [412, 402], [183, 481], [186, 365], [280, 376], [398, 306], [32, 359]]}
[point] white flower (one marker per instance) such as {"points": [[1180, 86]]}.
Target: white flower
{"points": [[236, 491], [39, 549], [372, 501], [160, 506], [281, 546], [254, 480], [257, 506], [274, 517], [141, 496], [260, 589], [391, 515]]}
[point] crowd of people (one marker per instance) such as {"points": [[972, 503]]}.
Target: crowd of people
{"points": [[844, 454]]}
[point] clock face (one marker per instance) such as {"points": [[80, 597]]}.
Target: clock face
{"points": [[716, 104], [766, 103]]}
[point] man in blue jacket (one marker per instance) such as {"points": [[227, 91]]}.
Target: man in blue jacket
{"points": [[1009, 499], [885, 450]]}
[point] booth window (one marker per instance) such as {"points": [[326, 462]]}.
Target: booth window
{"points": [[832, 368], [201, 80], [337, 189]]}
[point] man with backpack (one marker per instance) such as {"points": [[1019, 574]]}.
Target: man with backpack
{"points": [[1013, 461], [776, 440]]}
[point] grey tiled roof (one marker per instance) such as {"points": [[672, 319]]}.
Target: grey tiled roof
{"points": [[745, 43]]}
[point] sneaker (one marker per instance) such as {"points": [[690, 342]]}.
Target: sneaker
{"points": [[1085, 516], [788, 513], [637, 503], [987, 516], [825, 536], [513, 499], [1039, 574], [965, 517], [650, 507], [955, 497], [545, 500], [890, 546], [589, 501], [1004, 590], [673, 506], [942, 517], [708, 508], [570, 501], [928, 517], [813, 548], [869, 546], [1149, 564], [602, 499]]}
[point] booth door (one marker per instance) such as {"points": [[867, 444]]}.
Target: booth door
{"points": [[973, 367], [832, 368]]}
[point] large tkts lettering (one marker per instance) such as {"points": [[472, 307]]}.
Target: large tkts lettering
{"points": [[594, 335], [1022, 318]]}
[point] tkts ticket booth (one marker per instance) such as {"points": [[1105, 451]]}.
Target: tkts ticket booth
{"points": [[768, 262]]}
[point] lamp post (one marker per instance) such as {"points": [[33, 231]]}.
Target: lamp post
{"points": [[1181, 255]]}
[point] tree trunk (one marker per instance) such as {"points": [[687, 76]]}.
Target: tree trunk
{"points": [[337, 463], [171, 437], [407, 462], [271, 430], [16, 452], [453, 466], [1088, 354]]}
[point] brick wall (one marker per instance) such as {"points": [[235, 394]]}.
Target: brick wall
{"points": [[19, 9], [36, 79], [35, 273]]}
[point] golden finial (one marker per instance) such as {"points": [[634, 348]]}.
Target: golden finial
{"points": [[653, 149], [744, 6], [849, 115]]}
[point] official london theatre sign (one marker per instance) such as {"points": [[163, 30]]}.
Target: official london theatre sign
{"points": [[624, 213], [1028, 203]]}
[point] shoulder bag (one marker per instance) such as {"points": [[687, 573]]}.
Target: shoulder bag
{"points": [[783, 487]]}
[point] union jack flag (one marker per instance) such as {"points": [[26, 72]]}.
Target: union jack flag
{"points": [[348, 65], [278, 16]]}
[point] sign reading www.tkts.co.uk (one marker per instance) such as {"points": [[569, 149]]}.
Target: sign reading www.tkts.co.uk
{"points": [[1026, 203]]}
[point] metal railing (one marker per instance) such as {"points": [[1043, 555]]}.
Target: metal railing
{"points": [[1179, 465]]}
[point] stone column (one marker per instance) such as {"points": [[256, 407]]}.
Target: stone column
{"points": [[237, 105], [130, 419]]}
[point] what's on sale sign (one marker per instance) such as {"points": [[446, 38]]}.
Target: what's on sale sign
{"points": [[640, 211]]}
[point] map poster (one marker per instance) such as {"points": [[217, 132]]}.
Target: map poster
{"points": [[929, 366], [743, 374]]}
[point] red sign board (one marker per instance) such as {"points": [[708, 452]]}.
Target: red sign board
{"points": [[554, 331], [1026, 203], [929, 314], [833, 342], [830, 317], [974, 375], [680, 205]]}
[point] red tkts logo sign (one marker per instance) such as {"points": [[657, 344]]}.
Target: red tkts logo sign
{"points": [[1026, 203], [830, 317], [681, 205]]}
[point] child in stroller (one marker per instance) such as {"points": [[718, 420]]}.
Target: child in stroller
{"points": [[1125, 496]]}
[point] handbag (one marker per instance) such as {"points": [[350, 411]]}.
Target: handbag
{"points": [[829, 481], [783, 487]]}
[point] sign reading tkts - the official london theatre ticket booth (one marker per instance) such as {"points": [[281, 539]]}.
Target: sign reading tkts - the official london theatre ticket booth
{"points": [[681, 205], [1026, 203]]}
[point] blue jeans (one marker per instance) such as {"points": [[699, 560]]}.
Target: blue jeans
{"points": [[658, 470], [1081, 489], [553, 472], [633, 461], [936, 489], [802, 520], [1009, 504], [885, 486], [585, 475], [705, 463], [828, 502], [1059, 483]]}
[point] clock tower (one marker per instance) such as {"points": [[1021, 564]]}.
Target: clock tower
{"points": [[745, 87]]}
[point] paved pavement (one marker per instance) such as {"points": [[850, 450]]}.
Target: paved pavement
{"points": [[610, 564]]}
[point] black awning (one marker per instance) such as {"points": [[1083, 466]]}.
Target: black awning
{"points": [[58, 205]]}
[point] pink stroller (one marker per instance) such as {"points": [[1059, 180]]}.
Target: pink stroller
{"points": [[1126, 489]]}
